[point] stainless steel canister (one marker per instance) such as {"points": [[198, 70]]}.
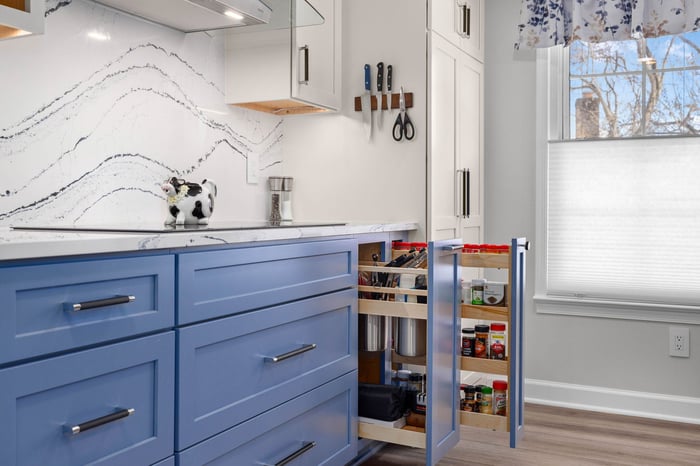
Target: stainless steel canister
{"points": [[411, 336], [372, 333]]}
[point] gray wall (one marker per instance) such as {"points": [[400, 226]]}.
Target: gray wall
{"points": [[605, 355]]}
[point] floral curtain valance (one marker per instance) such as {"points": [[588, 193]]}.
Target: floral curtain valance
{"points": [[545, 23]]}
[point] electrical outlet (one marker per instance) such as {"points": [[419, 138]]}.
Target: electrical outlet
{"points": [[679, 342]]}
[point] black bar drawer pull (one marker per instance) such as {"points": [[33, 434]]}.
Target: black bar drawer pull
{"points": [[308, 446], [99, 303], [291, 354], [100, 421]]}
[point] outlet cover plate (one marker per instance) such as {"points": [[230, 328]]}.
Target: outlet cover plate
{"points": [[679, 342]]}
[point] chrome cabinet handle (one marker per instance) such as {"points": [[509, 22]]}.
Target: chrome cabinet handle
{"points": [[291, 354], [100, 421], [99, 303], [288, 459], [459, 193], [465, 20], [305, 51]]}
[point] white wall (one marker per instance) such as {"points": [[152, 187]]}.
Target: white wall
{"points": [[338, 174], [604, 364]]}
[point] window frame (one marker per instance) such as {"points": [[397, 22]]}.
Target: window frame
{"points": [[552, 123]]}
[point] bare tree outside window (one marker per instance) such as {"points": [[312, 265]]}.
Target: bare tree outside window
{"points": [[635, 88]]}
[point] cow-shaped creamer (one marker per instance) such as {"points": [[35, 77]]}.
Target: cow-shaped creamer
{"points": [[189, 203]]}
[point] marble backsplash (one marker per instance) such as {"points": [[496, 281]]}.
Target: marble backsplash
{"points": [[97, 112]]}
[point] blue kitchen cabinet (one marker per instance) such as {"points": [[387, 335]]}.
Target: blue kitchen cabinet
{"points": [[111, 405], [442, 312], [222, 282], [316, 428], [167, 353], [52, 307], [232, 369]]}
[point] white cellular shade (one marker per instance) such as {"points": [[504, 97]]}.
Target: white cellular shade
{"points": [[623, 220]]}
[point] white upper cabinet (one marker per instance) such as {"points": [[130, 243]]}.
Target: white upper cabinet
{"points": [[291, 66], [461, 22], [21, 17]]}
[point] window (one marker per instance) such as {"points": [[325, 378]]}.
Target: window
{"points": [[633, 88], [618, 199]]}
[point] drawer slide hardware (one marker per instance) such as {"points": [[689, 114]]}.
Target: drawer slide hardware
{"points": [[306, 447], [99, 303], [291, 354], [100, 421]]}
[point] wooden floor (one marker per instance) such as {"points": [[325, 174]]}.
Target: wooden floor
{"points": [[558, 436]]}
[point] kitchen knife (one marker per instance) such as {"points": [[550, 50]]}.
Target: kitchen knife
{"points": [[366, 102], [380, 93], [389, 71]]}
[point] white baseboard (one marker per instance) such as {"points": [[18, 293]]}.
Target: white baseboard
{"points": [[608, 400]]}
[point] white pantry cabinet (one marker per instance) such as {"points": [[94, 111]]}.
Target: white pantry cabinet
{"points": [[455, 146], [292, 65], [461, 22]]}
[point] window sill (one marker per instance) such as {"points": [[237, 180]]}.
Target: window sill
{"points": [[617, 310]]}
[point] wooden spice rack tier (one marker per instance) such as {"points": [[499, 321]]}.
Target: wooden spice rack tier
{"points": [[392, 309], [493, 313], [408, 436], [486, 421], [483, 260], [489, 366]]}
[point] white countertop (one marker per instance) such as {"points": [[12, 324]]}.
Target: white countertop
{"points": [[27, 244]]}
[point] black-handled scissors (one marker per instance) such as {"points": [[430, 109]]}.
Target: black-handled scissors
{"points": [[403, 127]]}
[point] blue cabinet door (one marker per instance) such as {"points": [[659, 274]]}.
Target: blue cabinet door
{"points": [[219, 283], [442, 421], [316, 428], [52, 307], [111, 405], [225, 371]]}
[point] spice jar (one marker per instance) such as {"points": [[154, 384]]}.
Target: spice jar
{"points": [[468, 337], [415, 381], [481, 341], [486, 406], [500, 397], [286, 195], [469, 398], [478, 291], [477, 398], [497, 341], [275, 185]]}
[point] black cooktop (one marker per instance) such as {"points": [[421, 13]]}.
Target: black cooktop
{"points": [[162, 228]]}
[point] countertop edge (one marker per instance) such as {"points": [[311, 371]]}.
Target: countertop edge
{"points": [[28, 244]]}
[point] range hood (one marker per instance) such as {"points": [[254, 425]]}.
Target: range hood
{"points": [[196, 15]]}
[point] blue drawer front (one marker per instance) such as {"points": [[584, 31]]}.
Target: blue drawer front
{"points": [[218, 283], [36, 318], [326, 416], [40, 401], [166, 462], [224, 378]]}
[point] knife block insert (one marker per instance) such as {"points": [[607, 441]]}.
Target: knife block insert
{"points": [[385, 101]]}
